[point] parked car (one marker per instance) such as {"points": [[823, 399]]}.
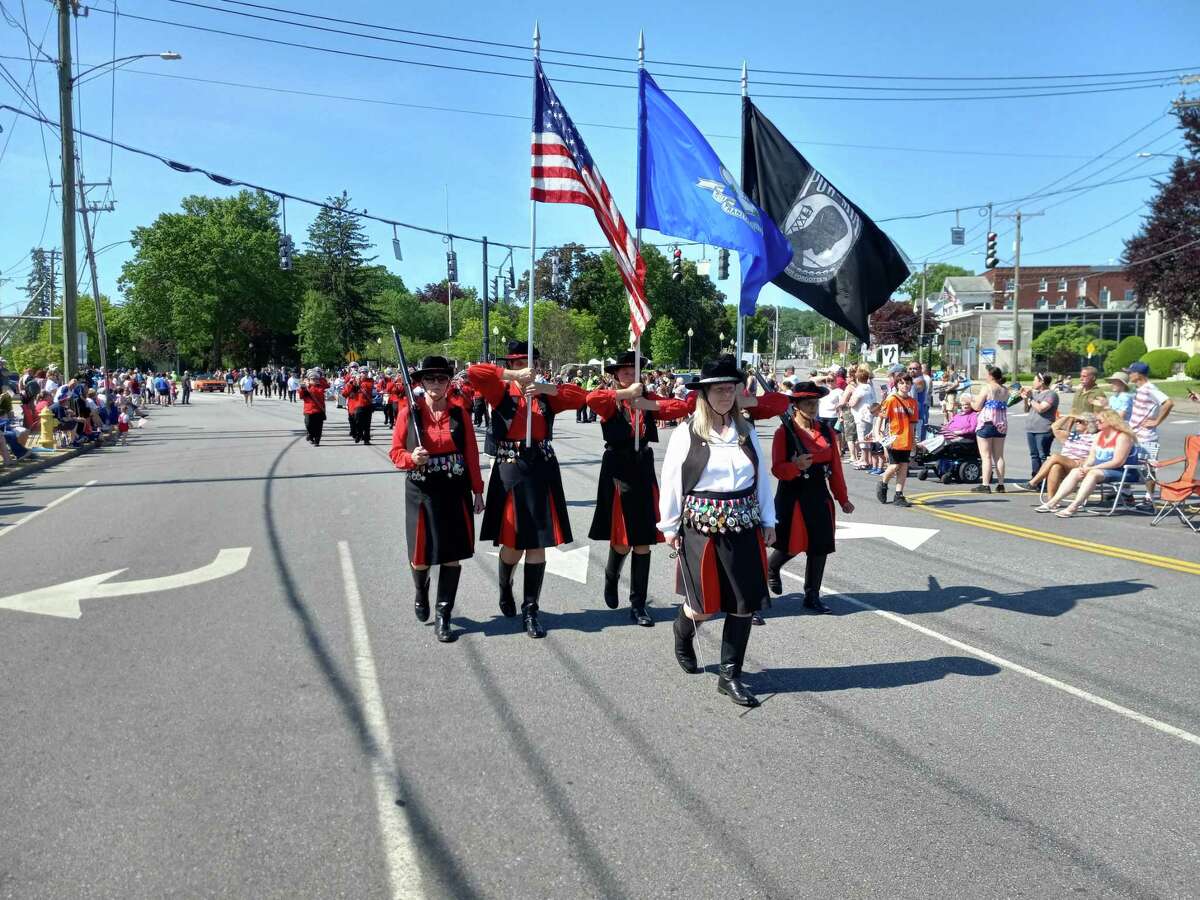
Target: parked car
{"points": [[207, 382]]}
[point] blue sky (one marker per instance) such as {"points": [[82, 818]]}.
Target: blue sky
{"points": [[401, 160]]}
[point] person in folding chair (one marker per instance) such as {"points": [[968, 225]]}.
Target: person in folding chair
{"points": [[717, 511], [443, 490], [805, 459], [526, 508], [1114, 446], [627, 493]]}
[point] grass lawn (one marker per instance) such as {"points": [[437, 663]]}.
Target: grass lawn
{"points": [[1177, 390]]}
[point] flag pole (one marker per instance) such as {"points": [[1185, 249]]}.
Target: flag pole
{"points": [[741, 322], [537, 52], [637, 346]]}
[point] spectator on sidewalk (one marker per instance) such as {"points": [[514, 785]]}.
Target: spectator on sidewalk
{"points": [[992, 405], [293, 386], [1041, 403], [1121, 398], [247, 387], [1077, 434], [1105, 463], [1090, 397], [186, 387], [1150, 409]]}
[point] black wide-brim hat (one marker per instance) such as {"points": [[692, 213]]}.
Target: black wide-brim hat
{"points": [[520, 350], [722, 370], [433, 365], [807, 390], [628, 358]]}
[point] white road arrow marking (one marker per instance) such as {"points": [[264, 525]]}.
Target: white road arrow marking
{"points": [[62, 600], [902, 535], [571, 564]]}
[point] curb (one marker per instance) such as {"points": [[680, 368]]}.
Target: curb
{"points": [[46, 461]]}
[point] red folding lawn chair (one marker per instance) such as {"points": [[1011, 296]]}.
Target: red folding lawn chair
{"points": [[1176, 494]]}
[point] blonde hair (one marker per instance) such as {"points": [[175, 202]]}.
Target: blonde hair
{"points": [[1116, 421], [862, 374], [706, 418]]}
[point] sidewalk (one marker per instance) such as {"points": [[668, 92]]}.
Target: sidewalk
{"points": [[40, 459]]}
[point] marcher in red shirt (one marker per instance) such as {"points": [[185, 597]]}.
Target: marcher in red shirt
{"points": [[806, 460], [357, 392], [435, 444], [627, 494], [526, 509], [312, 392]]}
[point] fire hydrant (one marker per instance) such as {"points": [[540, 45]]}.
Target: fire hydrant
{"points": [[49, 423]]}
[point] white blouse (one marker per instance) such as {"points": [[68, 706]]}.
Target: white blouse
{"points": [[729, 469]]}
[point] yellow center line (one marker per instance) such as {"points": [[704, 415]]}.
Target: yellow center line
{"points": [[924, 501]]}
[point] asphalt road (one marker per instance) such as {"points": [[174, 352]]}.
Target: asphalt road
{"points": [[1010, 709]]}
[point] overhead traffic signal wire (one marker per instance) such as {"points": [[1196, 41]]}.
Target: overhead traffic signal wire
{"points": [[631, 86], [693, 65]]}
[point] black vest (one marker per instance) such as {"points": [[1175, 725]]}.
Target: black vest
{"points": [[697, 458], [505, 412], [457, 427], [795, 444], [618, 431]]}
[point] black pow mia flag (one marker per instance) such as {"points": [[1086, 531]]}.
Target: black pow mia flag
{"points": [[843, 265]]}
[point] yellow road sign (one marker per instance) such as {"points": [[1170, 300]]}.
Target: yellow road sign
{"points": [[1091, 349], [351, 356]]}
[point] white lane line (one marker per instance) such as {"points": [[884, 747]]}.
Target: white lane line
{"points": [[1125, 711], [403, 873], [1185, 422], [37, 512]]}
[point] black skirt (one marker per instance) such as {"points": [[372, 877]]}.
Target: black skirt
{"points": [[723, 571], [526, 506], [804, 516], [439, 519], [627, 499]]}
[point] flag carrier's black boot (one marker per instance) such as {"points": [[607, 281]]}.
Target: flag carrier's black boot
{"points": [[685, 647], [734, 639], [639, 585], [508, 603], [612, 577], [447, 590], [421, 602], [534, 573], [814, 573]]}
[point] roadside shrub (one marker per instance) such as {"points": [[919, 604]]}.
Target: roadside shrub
{"points": [[1192, 369], [1129, 350], [1161, 362]]}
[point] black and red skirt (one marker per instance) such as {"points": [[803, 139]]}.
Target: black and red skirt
{"points": [[805, 519], [526, 506], [723, 559], [438, 512], [627, 499]]}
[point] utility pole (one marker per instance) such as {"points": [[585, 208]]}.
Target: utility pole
{"points": [[486, 332], [775, 350], [921, 339], [66, 118], [53, 294], [101, 333], [1016, 325]]}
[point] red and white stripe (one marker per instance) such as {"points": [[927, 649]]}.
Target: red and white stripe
{"points": [[557, 179]]}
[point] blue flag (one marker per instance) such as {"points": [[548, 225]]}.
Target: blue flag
{"points": [[684, 191]]}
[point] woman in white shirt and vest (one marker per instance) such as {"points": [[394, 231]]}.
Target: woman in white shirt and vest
{"points": [[716, 509]]}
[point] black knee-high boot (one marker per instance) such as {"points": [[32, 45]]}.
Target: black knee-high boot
{"points": [[612, 577], [447, 590], [639, 583], [776, 562], [534, 573], [508, 604], [685, 648], [814, 572], [421, 602], [733, 654]]}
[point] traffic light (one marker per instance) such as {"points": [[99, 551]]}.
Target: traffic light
{"points": [[512, 280], [677, 265], [495, 287], [723, 264], [555, 270], [286, 248], [992, 258], [452, 267]]}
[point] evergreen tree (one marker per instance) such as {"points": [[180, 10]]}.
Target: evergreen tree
{"points": [[338, 269], [40, 291], [1164, 257], [319, 330]]}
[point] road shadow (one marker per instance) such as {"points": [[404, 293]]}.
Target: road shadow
{"points": [[587, 621], [1054, 600], [868, 676]]}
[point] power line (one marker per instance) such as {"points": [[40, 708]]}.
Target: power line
{"points": [[527, 77], [709, 66]]}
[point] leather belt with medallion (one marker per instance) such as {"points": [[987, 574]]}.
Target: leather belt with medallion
{"points": [[711, 515], [511, 451], [446, 466]]}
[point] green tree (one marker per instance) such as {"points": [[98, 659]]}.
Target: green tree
{"points": [[207, 277], [319, 330], [666, 342], [935, 278], [1131, 349], [1062, 346], [554, 334], [337, 241]]}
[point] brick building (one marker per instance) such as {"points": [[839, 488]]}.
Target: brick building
{"points": [[1064, 287]]}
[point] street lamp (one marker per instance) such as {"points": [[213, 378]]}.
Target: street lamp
{"points": [[168, 55], [690, 333]]}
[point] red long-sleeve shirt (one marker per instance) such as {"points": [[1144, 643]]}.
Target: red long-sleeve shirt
{"points": [[357, 394], [604, 402], [314, 397], [821, 451], [770, 404], [486, 379], [437, 439]]}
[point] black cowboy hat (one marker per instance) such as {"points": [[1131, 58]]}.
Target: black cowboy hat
{"points": [[433, 365], [520, 350], [722, 370], [807, 390], [625, 359]]}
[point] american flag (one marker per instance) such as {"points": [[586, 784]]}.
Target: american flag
{"points": [[563, 172]]}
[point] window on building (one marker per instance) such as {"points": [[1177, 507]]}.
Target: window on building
{"points": [[1130, 295], [1009, 285], [1082, 286], [1105, 297], [1062, 285], [1042, 304], [1043, 285], [1081, 302]]}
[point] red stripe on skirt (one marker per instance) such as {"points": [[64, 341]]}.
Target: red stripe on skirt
{"points": [[419, 552], [798, 541], [617, 534], [710, 579]]}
